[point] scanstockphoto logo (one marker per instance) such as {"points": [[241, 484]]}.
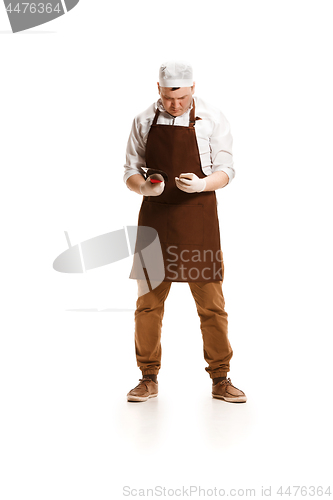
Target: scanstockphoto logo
{"points": [[140, 242], [25, 15]]}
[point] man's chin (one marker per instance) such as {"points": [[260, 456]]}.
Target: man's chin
{"points": [[176, 113]]}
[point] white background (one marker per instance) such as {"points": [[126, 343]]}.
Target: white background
{"points": [[69, 92]]}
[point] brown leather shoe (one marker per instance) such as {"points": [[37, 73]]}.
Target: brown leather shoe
{"points": [[226, 391], [146, 389]]}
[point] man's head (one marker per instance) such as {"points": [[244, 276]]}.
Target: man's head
{"points": [[176, 100], [176, 87]]}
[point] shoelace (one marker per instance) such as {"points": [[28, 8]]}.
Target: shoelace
{"points": [[226, 382], [144, 380]]}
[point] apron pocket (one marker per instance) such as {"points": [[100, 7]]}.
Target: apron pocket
{"points": [[185, 225], [155, 215]]}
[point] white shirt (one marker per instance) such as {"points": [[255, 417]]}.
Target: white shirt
{"points": [[212, 131]]}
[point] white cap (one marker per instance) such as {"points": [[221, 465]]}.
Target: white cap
{"points": [[175, 74]]}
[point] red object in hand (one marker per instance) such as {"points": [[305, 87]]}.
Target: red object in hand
{"points": [[155, 181]]}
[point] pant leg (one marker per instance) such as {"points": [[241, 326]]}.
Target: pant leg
{"points": [[210, 304], [148, 325]]}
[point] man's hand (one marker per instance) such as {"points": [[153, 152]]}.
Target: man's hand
{"points": [[153, 189], [190, 183]]}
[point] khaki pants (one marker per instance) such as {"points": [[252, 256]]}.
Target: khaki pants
{"points": [[210, 303]]}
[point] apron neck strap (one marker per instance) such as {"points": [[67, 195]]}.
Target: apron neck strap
{"points": [[156, 116], [192, 116]]}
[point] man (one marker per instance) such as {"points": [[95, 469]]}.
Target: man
{"points": [[188, 143]]}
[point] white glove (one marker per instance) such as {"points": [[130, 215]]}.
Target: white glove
{"points": [[149, 189], [190, 183]]}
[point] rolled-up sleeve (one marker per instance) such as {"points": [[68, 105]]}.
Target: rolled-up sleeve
{"points": [[135, 153], [221, 148]]}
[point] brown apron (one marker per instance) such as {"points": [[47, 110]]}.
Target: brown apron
{"points": [[187, 223]]}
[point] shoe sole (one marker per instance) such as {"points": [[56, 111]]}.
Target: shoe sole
{"points": [[141, 399], [240, 399]]}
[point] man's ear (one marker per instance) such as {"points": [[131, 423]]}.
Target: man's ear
{"points": [[193, 88], [158, 86]]}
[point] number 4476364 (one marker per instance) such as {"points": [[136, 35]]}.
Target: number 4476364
{"points": [[304, 491], [33, 8]]}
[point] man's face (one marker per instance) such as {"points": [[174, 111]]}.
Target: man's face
{"points": [[176, 102]]}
